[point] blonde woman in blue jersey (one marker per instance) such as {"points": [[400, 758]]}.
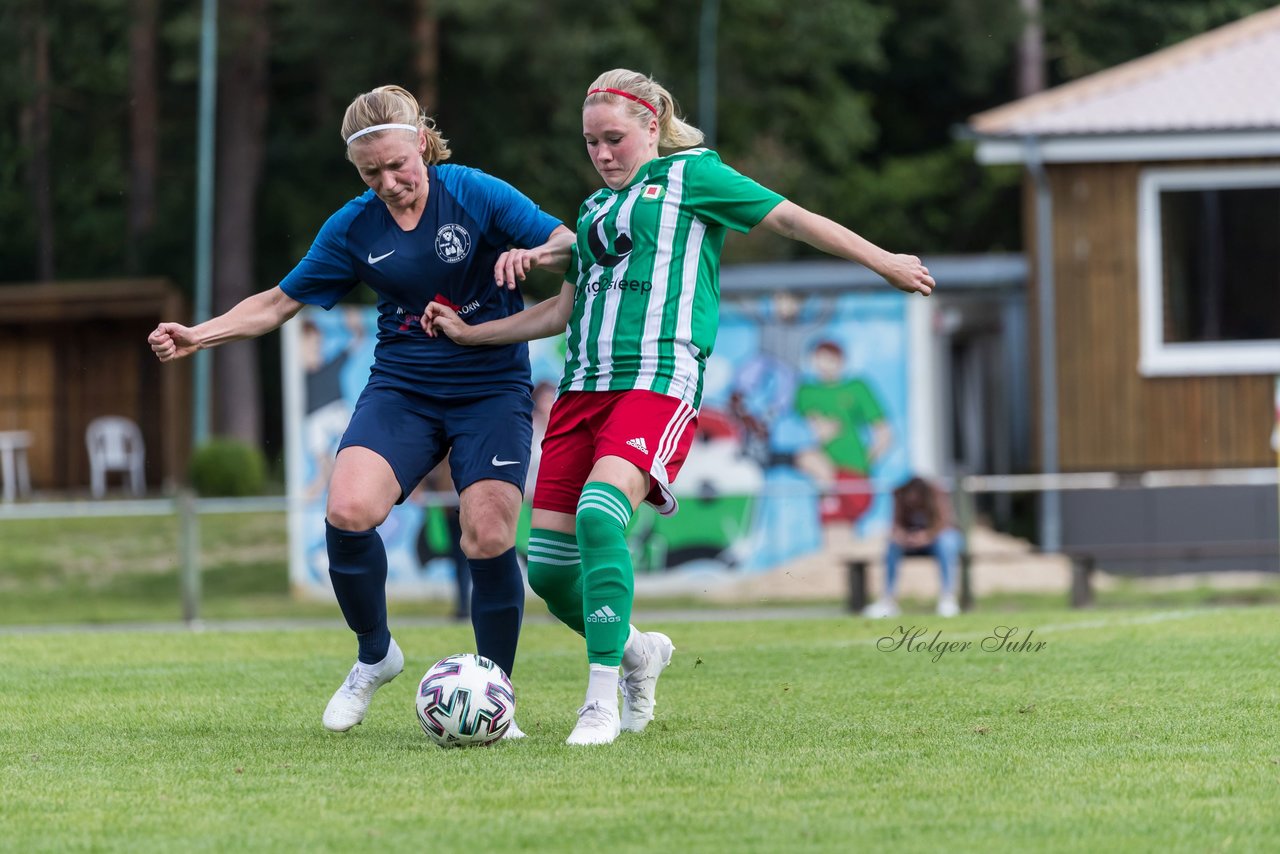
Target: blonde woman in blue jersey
{"points": [[640, 310], [424, 231]]}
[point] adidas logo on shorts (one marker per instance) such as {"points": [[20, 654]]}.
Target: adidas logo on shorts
{"points": [[604, 615], [639, 445]]}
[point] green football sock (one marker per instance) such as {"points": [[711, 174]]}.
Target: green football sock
{"points": [[555, 574], [608, 579]]}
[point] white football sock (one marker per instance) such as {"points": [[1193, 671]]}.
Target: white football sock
{"points": [[602, 685]]}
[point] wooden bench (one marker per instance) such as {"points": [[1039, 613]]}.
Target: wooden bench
{"points": [[1085, 559], [857, 568]]}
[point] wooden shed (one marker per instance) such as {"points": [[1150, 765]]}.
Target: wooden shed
{"points": [[1152, 213], [72, 351]]}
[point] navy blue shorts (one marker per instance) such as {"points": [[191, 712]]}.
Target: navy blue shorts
{"points": [[489, 434]]}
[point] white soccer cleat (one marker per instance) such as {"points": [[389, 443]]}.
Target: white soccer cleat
{"points": [[640, 684], [948, 607], [882, 608], [597, 724], [349, 704], [513, 732]]}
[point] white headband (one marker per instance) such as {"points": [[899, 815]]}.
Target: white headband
{"points": [[361, 133]]}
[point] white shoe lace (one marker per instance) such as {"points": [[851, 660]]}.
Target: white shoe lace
{"points": [[597, 724], [360, 680], [593, 715]]}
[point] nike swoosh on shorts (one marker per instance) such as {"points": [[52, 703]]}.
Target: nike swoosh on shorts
{"points": [[497, 462]]}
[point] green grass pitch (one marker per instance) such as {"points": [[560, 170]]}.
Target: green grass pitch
{"points": [[1125, 731]]}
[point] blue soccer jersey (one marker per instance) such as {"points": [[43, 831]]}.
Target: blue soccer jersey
{"points": [[469, 220]]}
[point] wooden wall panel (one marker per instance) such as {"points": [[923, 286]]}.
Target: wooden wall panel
{"points": [[72, 351], [38, 386], [1110, 417], [27, 383], [111, 378], [10, 367]]}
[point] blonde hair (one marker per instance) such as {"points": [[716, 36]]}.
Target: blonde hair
{"points": [[673, 131], [393, 105]]}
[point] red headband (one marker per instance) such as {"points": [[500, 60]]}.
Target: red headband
{"points": [[626, 95]]}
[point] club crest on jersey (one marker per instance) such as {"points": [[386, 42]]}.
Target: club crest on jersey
{"points": [[596, 242], [452, 243], [653, 192]]}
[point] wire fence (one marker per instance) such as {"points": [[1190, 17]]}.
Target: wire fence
{"points": [[1118, 480]]}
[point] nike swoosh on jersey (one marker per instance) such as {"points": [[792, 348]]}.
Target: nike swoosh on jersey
{"points": [[373, 260], [497, 462]]}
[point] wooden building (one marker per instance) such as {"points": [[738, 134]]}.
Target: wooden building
{"points": [[71, 351], [1152, 211]]}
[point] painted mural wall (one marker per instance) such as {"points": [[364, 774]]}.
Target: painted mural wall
{"points": [[803, 428]]}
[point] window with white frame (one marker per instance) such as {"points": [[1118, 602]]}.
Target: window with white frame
{"points": [[1209, 269]]}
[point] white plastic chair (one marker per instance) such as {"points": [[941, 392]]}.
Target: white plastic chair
{"points": [[115, 444]]}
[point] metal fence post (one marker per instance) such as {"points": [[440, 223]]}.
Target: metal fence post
{"points": [[966, 518], [1082, 567], [190, 533], [857, 598]]}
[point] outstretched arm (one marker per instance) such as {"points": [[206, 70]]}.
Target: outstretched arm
{"points": [[514, 264], [545, 319], [251, 317], [904, 272]]}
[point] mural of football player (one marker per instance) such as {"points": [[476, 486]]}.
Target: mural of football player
{"points": [[785, 524], [850, 423], [765, 384], [327, 408], [716, 489]]}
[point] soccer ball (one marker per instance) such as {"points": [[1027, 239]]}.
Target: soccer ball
{"points": [[465, 700]]}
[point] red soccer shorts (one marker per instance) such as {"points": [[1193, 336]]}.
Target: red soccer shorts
{"points": [[651, 431]]}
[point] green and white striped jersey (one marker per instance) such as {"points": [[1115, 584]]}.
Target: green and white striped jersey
{"points": [[647, 269]]}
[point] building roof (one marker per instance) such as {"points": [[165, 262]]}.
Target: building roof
{"points": [[1220, 82], [968, 273]]}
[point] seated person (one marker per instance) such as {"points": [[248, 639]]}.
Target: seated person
{"points": [[923, 524]]}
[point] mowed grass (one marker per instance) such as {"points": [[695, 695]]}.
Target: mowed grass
{"points": [[1127, 731]]}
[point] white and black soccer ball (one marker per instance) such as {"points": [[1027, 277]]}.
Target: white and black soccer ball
{"points": [[465, 700]]}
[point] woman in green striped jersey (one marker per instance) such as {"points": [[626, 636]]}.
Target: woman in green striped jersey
{"points": [[639, 308]]}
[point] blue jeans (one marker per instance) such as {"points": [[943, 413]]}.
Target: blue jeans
{"points": [[946, 548]]}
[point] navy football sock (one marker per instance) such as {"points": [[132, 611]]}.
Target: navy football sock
{"points": [[358, 571], [497, 607]]}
